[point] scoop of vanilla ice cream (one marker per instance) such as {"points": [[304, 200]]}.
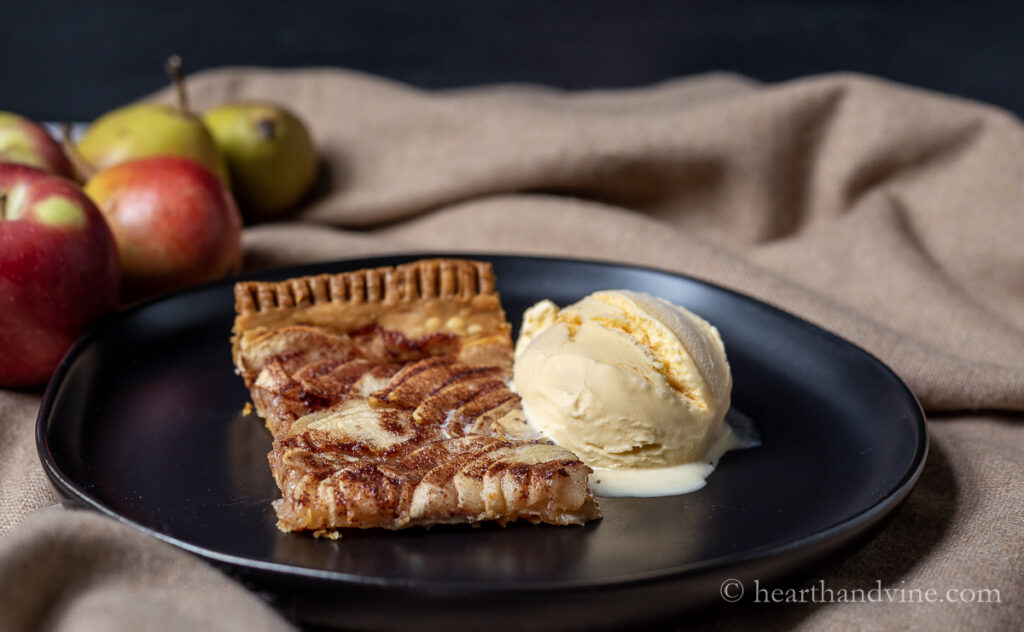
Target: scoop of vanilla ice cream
{"points": [[623, 379]]}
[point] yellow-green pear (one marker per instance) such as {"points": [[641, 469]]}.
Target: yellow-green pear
{"points": [[149, 129], [269, 152]]}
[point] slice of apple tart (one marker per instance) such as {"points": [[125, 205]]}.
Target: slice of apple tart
{"points": [[387, 393]]}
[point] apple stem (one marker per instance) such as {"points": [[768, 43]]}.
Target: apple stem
{"points": [[3, 206], [83, 170], [174, 72]]}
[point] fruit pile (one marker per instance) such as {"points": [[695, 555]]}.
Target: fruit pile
{"points": [[151, 199]]}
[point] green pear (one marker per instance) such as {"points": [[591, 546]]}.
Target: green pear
{"points": [[270, 154], [148, 129]]}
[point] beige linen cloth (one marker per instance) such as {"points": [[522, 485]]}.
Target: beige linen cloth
{"points": [[889, 215]]}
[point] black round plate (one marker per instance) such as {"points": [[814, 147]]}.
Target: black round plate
{"points": [[143, 422]]}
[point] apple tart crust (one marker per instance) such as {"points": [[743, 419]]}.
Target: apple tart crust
{"points": [[387, 393]]}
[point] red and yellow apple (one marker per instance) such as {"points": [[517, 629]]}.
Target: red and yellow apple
{"points": [[174, 221], [58, 271], [26, 142]]}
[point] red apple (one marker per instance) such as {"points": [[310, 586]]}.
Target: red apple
{"points": [[26, 142], [175, 223], [58, 271]]}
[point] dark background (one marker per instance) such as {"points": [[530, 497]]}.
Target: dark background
{"points": [[61, 61]]}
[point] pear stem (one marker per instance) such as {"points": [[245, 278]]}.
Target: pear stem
{"points": [[177, 77], [3, 206], [83, 170]]}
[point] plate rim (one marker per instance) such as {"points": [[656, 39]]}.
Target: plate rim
{"points": [[853, 525]]}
